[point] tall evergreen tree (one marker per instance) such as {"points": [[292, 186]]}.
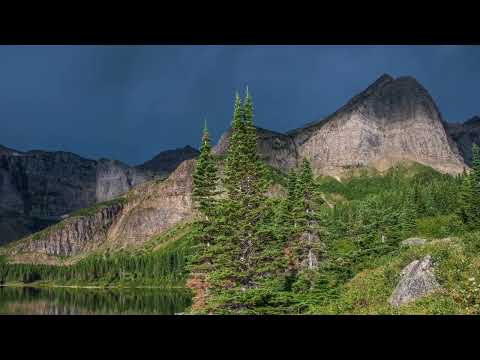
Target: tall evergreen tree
{"points": [[287, 218], [234, 156], [306, 242], [245, 184], [205, 178]]}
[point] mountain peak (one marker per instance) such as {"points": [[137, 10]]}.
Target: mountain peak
{"points": [[384, 78], [377, 84]]}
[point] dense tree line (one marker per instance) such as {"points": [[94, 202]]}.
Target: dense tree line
{"points": [[160, 268]]}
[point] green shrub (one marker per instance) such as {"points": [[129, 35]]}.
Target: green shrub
{"points": [[439, 226]]}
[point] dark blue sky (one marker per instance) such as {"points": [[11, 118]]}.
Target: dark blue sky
{"points": [[130, 102]]}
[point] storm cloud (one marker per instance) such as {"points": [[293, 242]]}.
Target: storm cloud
{"points": [[131, 102]]}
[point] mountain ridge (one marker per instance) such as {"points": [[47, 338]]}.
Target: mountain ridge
{"points": [[391, 121], [38, 188]]}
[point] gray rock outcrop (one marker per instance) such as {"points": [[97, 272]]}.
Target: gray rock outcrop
{"points": [[417, 279]]}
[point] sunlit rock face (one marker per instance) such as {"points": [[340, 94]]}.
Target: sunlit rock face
{"points": [[392, 120]]}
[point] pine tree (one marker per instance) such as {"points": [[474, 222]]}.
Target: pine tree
{"points": [[205, 178], [245, 184], [418, 201], [287, 218], [234, 153], [306, 243]]}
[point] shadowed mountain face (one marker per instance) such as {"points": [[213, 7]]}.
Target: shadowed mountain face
{"points": [[38, 188]]}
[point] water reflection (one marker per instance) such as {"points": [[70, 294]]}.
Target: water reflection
{"points": [[75, 301]]}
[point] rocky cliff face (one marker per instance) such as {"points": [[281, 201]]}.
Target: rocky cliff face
{"points": [[392, 120], [74, 235], [39, 187], [149, 209], [155, 206]]}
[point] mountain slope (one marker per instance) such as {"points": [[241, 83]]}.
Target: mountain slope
{"points": [[38, 188], [129, 220]]}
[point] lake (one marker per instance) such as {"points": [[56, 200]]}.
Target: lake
{"points": [[92, 301]]}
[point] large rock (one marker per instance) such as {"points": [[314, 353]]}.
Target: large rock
{"points": [[417, 279]]}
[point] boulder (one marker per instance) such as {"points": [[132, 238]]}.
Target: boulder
{"points": [[417, 280]]}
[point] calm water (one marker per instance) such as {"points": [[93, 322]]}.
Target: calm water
{"points": [[67, 301]]}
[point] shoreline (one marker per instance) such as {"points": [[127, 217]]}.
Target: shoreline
{"points": [[92, 286]]}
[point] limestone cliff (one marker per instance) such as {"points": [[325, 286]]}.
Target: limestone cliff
{"points": [[392, 120]]}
